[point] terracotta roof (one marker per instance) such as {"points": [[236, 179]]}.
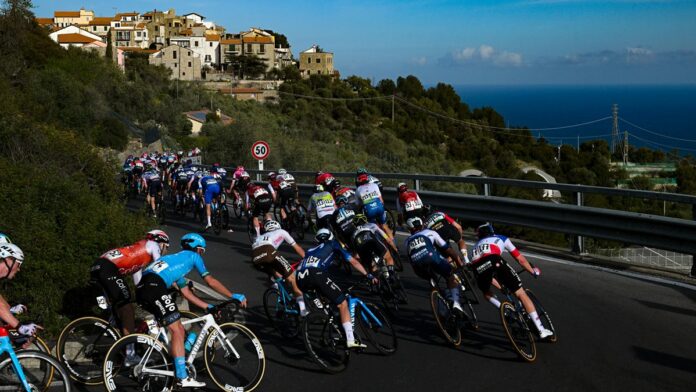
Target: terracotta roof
{"points": [[67, 14], [74, 39], [212, 37], [44, 21], [140, 26], [231, 41], [258, 40], [186, 32], [101, 21]]}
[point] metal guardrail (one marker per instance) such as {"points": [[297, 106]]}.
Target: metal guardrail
{"points": [[660, 232]]}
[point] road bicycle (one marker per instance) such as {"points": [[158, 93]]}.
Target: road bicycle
{"points": [[390, 289], [30, 371], [450, 322], [519, 326], [233, 357], [220, 214], [294, 221], [281, 309], [325, 340]]}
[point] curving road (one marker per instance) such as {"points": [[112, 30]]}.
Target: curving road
{"points": [[617, 332]]}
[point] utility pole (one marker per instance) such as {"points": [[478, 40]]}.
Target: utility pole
{"points": [[625, 148], [578, 143], [393, 96], [615, 128]]}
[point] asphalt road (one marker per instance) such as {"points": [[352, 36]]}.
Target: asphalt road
{"points": [[617, 332]]}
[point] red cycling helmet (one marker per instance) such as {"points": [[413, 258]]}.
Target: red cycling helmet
{"points": [[402, 187], [362, 179]]}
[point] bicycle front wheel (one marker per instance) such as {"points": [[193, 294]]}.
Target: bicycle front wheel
{"points": [[518, 332], [446, 321], [82, 347], [235, 358], [378, 329], [325, 342], [149, 369], [41, 371]]}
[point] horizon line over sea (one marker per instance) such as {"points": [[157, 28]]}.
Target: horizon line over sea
{"points": [[655, 116]]}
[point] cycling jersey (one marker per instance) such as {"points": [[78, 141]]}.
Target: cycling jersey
{"points": [[287, 177], [151, 176], [174, 268], [424, 253], [493, 246], [238, 174], [132, 258], [222, 172], [408, 201], [323, 256], [274, 238], [342, 223], [323, 203], [211, 188], [371, 199]]}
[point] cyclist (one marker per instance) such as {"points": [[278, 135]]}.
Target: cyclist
{"points": [[370, 178], [425, 248], [488, 263], [153, 294], [447, 228], [373, 204], [342, 220], [324, 204], [351, 197], [111, 268], [210, 187], [265, 257], [286, 198], [408, 203], [369, 240], [238, 187], [283, 175], [262, 203], [152, 183], [312, 274], [11, 258]]}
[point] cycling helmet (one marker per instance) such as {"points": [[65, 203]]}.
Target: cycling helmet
{"points": [[323, 235], [282, 172], [485, 230], [360, 171], [11, 250], [192, 241], [362, 179], [213, 169], [245, 176], [318, 188], [360, 219], [216, 164], [4, 239], [402, 187], [271, 225], [158, 236], [272, 176], [414, 223], [170, 159], [342, 199], [240, 168]]}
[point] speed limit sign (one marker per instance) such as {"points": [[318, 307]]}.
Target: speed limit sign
{"points": [[260, 150]]}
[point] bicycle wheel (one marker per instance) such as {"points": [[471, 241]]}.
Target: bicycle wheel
{"points": [[518, 332], [42, 372], [283, 316], [161, 212], [251, 231], [225, 217], [325, 342], [544, 316], [152, 355], [276, 213], [378, 329], [235, 358], [82, 347], [398, 289], [466, 292], [237, 207], [217, 221], [398, 264], [298, 225], [29, 343], [446, 321]]}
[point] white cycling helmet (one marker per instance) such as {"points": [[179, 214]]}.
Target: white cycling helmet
{"points": [[271, 225], [11, 250], [282, 171], [414, 223], [4, 239], [323, 235]]}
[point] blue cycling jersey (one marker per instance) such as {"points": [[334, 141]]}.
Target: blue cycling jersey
{"points": [[207, 181], [174, 268], [323, 255], [424, 247]]}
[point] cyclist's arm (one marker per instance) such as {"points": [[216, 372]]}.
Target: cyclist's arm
{"points": [[191, 297], [518, 256], [188, 187], [298, 249], [5, 314], [217, 286]]}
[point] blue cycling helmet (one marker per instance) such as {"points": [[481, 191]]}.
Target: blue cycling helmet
{"points": [[485, 230], [4, 239], [191, 241]]}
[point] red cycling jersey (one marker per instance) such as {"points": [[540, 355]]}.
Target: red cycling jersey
{"points": [[133, 258], [255, 192], [408, 201]]}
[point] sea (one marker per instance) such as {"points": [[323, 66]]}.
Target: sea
{"points": [[658, 117]]}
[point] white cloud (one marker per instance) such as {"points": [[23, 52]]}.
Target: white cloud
{"points": [[483, 54], [421, 61]]}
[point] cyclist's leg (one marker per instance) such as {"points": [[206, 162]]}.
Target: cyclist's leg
{"points": [[484, 279], [106, 275]]}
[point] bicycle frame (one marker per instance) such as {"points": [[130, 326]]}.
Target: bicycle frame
{"points": [[285, 297], [365, 312], [6, 347], [159, 334]]}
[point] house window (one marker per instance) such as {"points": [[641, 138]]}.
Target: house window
{"points": [[318, 60], [211, 44], [233, 48], [174, 65], [94, 28], [189, 64], [139, 34], [183, 73], [195, 43], [249, 48], [174, 54], [309, 60], [262, 48], [207, 58]]}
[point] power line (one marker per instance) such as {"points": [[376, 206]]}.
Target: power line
{"points": [[335, 99], [662, 145], [656, 133], [571, 137]]}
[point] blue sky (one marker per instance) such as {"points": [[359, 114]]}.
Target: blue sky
{"points": [[505, 42]]}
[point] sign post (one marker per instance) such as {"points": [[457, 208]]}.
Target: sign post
{"points": [[260, 150]]}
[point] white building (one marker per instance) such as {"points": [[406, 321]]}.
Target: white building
{"points": [[73, 36]]}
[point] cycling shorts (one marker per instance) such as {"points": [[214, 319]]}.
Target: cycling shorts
{"points": [[262, 206], [324, 222], [316, 279], [449, 232], [105, 274], [266, 258], [496, 267], [152, 294], [194, 186], [432, 265], [375, 212], [181, 184], [211, 191], [367, 245], [154, 187]]}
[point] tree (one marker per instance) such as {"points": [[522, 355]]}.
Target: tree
{"points": [[281, 41], [247, 65], [386, 87]]}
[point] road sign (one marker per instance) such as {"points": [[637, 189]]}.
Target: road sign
{"points": [[260, 150]]}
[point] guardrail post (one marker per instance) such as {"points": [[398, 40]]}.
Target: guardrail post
{"points": [[578, 241], [486, 189], [416, 184]]}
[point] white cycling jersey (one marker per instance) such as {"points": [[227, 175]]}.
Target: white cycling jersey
{"points": [[274, 238]]}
